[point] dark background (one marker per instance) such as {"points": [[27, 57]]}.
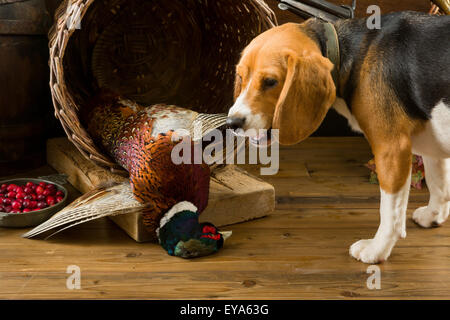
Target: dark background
{"points": [[28, 120], [334, 124]]}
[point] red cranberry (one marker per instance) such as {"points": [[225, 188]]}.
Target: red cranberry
{"points": [[50, 200], [16, 205], [29, 197], [20, 195], [28, 190], [39, 190], [11, 187], [15, 211], [42, 205], [48, 192], [26, 203], [11, 194]]}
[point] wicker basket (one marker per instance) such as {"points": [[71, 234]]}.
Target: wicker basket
{"points": [[180, 52], [440, 7]]}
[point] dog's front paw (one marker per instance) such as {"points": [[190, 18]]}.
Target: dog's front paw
{"points": [[369, 251]]}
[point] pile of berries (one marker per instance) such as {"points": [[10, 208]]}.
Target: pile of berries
{"points": [[30, 197]]}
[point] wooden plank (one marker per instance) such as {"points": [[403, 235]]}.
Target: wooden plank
{"points": [[299, 252], [327, 172], [290, 256], [82, 173], [235, 196]]}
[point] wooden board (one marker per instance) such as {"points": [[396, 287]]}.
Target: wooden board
{"points": [[235, 196]]}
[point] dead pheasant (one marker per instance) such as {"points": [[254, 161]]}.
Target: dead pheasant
{"points": [[171, 196]]}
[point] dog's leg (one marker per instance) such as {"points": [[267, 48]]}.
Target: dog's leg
{"points": [[437, 175], [393, 161]]}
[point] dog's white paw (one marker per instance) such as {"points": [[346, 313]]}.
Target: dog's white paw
{"points": [[426, 217], [369, 251]]}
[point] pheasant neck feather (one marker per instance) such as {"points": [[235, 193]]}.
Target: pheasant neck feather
{"points": [[183, 236]]}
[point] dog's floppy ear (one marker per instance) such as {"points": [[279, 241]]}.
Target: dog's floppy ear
{"points": [[237, 86], [308, 92]]}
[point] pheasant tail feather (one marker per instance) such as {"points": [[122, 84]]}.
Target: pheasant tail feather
{"points": [[102, 202]]}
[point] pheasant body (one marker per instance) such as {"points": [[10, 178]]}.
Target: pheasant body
{"points": [[141, 140], [169, 196]]}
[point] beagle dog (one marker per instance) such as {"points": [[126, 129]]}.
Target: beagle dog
{"points": [[392, 84]]}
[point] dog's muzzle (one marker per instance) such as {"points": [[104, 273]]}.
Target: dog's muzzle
{"points": [[235, 123]]}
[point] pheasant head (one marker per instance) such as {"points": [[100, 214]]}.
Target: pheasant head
{"points": [[181, 234]]}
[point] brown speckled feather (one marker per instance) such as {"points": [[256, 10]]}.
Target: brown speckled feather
{"points": [[140, 140]]}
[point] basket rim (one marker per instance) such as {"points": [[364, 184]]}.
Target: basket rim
{"points": [[66, 16]]}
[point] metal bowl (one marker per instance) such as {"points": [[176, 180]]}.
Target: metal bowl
{"points": [[33, 218]]}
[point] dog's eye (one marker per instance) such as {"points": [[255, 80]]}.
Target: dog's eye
{"points": [[269, 83]]}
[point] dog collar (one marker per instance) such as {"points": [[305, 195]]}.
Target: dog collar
{"points": [[332, 50]]}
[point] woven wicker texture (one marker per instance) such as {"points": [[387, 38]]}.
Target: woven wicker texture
{"points": [[180, 52], [440, 7]]}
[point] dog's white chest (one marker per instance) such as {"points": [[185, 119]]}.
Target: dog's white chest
{"points": [[434, 140], [341, 107]]}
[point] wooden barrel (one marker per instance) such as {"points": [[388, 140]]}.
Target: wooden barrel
{"points": [[25, 101]]}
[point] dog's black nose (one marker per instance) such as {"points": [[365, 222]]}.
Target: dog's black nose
{"points": [[235, 123]]}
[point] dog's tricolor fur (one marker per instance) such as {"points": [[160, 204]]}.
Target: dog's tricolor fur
{"points": [[393, 86]]}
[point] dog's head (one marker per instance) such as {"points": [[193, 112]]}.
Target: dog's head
{"points": [[282, 82]]}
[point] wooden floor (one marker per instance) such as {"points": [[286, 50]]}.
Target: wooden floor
{"points": [[325, 203]]}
